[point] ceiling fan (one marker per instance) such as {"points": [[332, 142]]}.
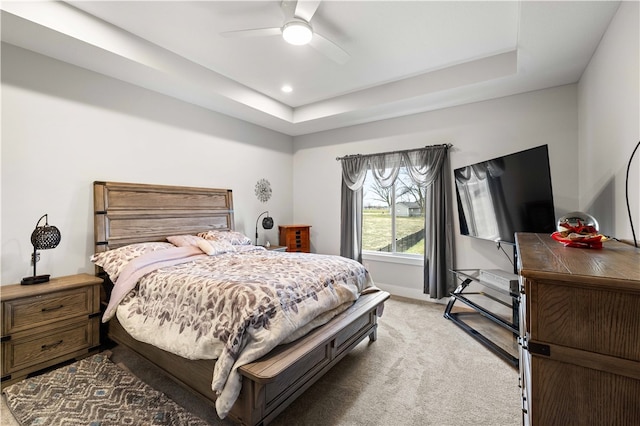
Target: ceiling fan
{"points": [[297, 30]]}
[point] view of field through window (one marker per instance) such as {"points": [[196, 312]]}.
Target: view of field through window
{"points": [[407, 200]]}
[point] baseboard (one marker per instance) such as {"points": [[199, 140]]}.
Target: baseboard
{"points": [[409, 293]]}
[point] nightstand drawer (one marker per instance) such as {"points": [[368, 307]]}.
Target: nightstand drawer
{"points": [[43, 348], [44, 325], [31, 312]]}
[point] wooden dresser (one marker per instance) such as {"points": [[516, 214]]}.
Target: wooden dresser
{"points": [[579, 333], [46, 324], [295, 237]]}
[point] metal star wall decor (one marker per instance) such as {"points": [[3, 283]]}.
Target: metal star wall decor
{"points": [[263, 190]]}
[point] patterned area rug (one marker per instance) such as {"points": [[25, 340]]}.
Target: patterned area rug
{"points": [[93, 392]]}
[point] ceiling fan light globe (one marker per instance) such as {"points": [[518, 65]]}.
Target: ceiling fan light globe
{"points": [[297, 33]]}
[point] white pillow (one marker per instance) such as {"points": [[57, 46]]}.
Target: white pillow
{"points": [[233, 237], [215, 247], [114, 261]]}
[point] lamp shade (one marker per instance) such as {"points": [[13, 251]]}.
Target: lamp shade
{"points": [[45, 237], [267, 222]]}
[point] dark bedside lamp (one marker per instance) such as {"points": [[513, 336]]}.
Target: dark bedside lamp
{"points": [[267, 223], [43, 238]]}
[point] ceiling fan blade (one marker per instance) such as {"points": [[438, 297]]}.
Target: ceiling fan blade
{"points": [[305, 9], [329, 48], [256, 32]]}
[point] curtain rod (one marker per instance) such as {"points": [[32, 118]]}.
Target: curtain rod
{"points": [[447, 145]]}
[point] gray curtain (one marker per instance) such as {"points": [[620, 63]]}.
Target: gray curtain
{"points": [[351, 223], [438, 253], [428, 167], [354, 171]]}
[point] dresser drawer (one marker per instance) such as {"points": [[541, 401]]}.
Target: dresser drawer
{"points": [[295, 237], [562, 312], [299, 248], [35, 311], [298, 239], [44, 348]]}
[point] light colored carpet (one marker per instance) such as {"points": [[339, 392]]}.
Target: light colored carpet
{"points": [[423, 370]]}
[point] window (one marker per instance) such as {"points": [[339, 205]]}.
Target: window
{"points": [[393, 218]]}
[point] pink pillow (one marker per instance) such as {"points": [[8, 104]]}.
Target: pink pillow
{"points": [[184, 240]]}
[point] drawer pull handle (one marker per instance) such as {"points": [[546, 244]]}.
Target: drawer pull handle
{"points": [[55, 308], [51, 346]]}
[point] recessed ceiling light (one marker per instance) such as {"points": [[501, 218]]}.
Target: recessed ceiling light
{"points": [[287, 89], [297, 33]]}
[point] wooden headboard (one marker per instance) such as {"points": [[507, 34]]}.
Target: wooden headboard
{"points": [[127, 213]]}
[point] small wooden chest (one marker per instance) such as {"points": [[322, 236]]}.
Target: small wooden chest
{"points": [[295, 238]]}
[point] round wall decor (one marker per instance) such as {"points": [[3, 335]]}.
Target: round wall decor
{"points": [[263, 190]]}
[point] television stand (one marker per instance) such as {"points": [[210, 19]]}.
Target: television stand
{"points": [[489, 315]]}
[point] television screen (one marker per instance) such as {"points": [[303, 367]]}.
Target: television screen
{"points": [[505, 195]]}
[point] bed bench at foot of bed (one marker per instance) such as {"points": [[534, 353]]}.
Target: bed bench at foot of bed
{"points": [[274, 381]]}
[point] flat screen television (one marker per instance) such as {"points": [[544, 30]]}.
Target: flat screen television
{"points": [[505, 195]]}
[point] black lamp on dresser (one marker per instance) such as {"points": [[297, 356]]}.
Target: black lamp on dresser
{"points": [[43, 237]]}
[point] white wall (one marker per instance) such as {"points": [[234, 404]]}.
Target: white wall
{"points": [[64, 127], [478, 132], [609, 117]]}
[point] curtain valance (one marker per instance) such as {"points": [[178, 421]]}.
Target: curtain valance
{"points": [[422, 165]]}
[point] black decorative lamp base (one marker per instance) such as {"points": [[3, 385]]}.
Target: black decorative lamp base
{"points": [[39, 279]]}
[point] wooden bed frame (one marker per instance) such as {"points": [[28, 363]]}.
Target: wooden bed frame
{"points": [[128, 213]]}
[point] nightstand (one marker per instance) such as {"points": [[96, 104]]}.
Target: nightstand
{"points": [[275, 248], [295, 238], [46, 324]]}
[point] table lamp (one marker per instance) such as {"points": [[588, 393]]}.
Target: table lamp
{"points": [[43, 238], [267, 223]]}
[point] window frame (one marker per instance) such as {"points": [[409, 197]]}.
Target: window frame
{"points": [[401, 258]]}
